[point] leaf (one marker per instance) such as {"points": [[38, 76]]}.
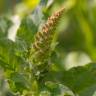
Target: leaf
{"points": [[5, 23], [20, 81], [27, 30], [59, 89], [80, 78], [6, 51], [89, 91], [8, 55], [5, 65], [37, 16]]}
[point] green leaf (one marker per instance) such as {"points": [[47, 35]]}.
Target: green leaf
{"points": [[80, 79], [5, 65], [27, 30], [9, 56], [20, 81], [5, 23]]}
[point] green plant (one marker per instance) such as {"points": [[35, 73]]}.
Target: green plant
{"points": [[40, 50], [31, 65]]}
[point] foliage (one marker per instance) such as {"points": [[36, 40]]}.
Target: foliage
{"points": [[47, 55]]}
